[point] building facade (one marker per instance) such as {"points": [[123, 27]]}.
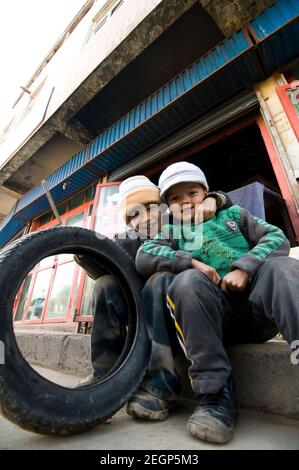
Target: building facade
{"points": [[131, 86]]}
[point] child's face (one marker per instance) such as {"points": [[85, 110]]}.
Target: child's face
{"points": [[182, 199], [146, 219]]}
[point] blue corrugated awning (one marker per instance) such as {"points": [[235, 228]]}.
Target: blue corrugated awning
{"points": [[276, 33], [219, 74]]}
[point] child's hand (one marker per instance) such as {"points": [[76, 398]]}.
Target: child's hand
{"points": [[206, 210], [236, 280], [210, 272]]}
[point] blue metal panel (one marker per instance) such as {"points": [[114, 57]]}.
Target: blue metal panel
{"points": [[10, 228], [39, 206], [68, 168], [281, 48], [77, 181], [277, 32], [29, 197], [186, 81], [272, 19], [8, 217]]}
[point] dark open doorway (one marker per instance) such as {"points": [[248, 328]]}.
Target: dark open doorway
{"points": [[233, 161]]}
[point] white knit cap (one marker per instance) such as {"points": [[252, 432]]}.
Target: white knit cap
{"points": [[179, 173], [135, 191], [133, 184]]}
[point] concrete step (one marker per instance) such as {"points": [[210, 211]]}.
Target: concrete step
{"points": [[254, 431], [267, 379]]}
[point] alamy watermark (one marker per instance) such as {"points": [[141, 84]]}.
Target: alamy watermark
{"points": [[2, 353], [295, 354], [150, 219]]}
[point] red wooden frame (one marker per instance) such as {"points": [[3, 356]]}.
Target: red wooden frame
{"points": [[67, 317], [77, 316], [280, 176], [288, 107]]}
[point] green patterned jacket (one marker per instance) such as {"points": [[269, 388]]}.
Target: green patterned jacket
{"points": [[234, 238]]}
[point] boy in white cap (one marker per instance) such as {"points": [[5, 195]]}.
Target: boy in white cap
{"points": [[140, 207], [234, 283]]}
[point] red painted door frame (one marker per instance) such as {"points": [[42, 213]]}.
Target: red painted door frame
{"points": [[78, 317], [288, 107], [280, 176]]}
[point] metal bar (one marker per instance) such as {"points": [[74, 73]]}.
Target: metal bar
{"points": [[51, 202]]}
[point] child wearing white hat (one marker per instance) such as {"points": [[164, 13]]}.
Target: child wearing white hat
{"points": [[140, 207], [234, 283]]}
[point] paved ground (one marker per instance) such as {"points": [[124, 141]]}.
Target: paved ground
{"points": [[254, 431]]}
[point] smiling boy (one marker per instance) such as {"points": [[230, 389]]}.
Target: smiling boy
{"points": [[234, 283]]}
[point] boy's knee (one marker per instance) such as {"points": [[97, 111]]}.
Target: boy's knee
{"points": [[187, 282], [281, 267], [159, 279], [105, 284]]}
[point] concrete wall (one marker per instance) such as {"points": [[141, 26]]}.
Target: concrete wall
{"points": [[267, 379], [74, 61]]}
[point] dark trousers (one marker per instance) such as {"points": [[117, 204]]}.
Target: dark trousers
{"points": [[206, 319], [109, 332], [109, 325]]}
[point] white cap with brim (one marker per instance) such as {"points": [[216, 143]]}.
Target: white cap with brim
{"points": [[181, 172]]}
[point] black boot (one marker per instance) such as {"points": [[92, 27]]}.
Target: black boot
{"points": [[214, 418]]}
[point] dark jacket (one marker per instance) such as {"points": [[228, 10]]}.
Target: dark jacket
{"points": [[131, 241]]}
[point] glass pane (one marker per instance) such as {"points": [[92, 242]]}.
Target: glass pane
{"points": [[23, 298], [47, 262], [39, 293], [293, 94], [90, 193], [76, 201], [74, 221], [45, 219], [87, 297], [116, 7], [89, 216], [61, 209], [59, 297], [108, 221]]}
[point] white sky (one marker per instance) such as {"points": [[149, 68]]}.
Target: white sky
{"points": [[28, 30]]}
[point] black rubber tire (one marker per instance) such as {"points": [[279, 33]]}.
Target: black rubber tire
{"points": [[30, 400]]}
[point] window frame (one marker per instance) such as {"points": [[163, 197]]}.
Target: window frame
{"points": [[288, 106], [56, 263], [102, 17], [77, 315]]}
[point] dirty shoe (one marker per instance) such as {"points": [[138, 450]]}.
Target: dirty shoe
{"points": [[144, 405], [214, 418]]}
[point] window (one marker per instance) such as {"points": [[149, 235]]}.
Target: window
{"points": [[23, 297], [32, 99], [77, 200], [34, 95], [116, 7], [86, 307], [293, 94], [61, 290], [49, 291], [289, 97], [98, 24], [38, 297], [108, 221], [105, 14]]}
